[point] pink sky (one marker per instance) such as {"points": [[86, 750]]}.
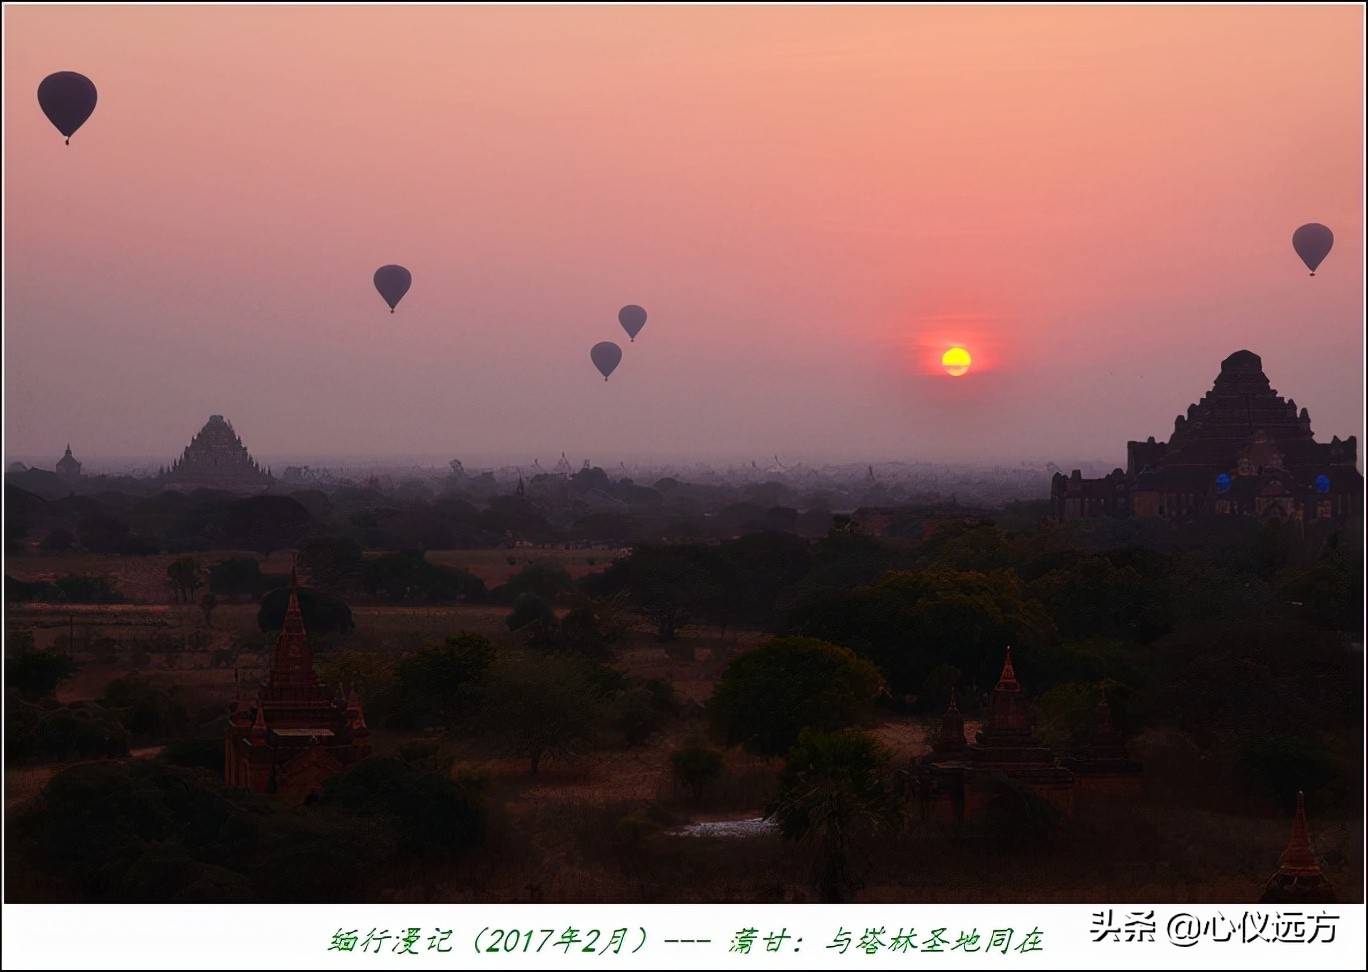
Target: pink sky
{"points": [[810, 202]]}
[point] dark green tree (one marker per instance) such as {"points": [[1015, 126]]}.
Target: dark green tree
{"points": [[540, 706], [531, 612], [767, 696], [36, 674], [332, 562], [185, 578], [441, 684]]}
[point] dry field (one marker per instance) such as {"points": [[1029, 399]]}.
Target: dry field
{"points": [[142, 579]]}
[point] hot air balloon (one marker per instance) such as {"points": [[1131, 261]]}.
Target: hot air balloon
{"points": [[67, 98], [633, 319], [393, 282], [1312, 242], [606, 355]]}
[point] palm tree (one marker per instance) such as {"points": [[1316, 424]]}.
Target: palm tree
{"points": [[834, 794]]}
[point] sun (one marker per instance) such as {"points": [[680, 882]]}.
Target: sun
{"points": [[956, 362]]}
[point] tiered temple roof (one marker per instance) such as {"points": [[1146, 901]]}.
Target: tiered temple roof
{"points": [[295, 733], [964, 777], [216, 459], [1242, 448]]}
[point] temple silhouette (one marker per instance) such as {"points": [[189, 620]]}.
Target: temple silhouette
{"points": [[294, 734], [1299, 879], [961, 780], [1243, 450], [216, 459]]}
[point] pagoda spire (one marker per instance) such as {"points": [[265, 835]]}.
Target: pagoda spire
{"points": [[952, 728], [1007, 681], [1007, 711], [1299, 878], [1299, 858], [292, 661]]}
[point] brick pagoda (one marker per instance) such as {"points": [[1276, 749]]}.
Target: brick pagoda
{"points": [[295, 734]]}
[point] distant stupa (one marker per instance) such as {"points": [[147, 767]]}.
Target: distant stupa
{"points": [[216, 459], [68, 467]]}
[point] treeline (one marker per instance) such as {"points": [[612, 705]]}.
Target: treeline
{"points": [[588, 507]]}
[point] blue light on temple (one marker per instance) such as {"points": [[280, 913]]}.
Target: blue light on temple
{"points": [[1222, 482], [1322, 483]]}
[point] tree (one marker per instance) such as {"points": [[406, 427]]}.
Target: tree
{"points": [[331, 562], [592, 627], [440, 684], [80, 730], [149, 711], [184, 577], [86, 589], [695, 767], [430, 812], [1280, 765], [639, 709], [761, 567], [1328, 593], [766, 697], [532, 612], [671, 585], [834, 795], [100, 532], [265, 523], [539, 706], [207, 604], [409, 577], [910, 622], [148, 831], [546, 579], [58, 540], [36, 674]]}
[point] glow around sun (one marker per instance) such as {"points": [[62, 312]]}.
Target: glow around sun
{"points": [[956, 362]]}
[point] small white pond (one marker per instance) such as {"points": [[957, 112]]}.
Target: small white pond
{"points": [[748, 827]]}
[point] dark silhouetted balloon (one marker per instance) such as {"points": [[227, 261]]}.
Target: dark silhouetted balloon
{"points": [[67, 98], [393, 282], [606, 355], [1312, 242], [633, 319]]}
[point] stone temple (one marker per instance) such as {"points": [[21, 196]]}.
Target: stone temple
{"points": [[216, 459], [1243, 450], [962, 780], [295, 733]]}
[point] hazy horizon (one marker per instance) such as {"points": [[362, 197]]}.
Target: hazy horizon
{"points": [[812, 204]]}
